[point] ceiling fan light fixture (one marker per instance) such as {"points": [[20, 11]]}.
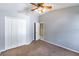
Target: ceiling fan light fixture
{"points": [[41, 7]]}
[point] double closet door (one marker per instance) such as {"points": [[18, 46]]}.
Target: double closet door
{"points": [[16, 32]]}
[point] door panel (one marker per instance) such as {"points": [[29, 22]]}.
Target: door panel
{"points": [[14, 33], [21, 31], [8, 35], [37, 31]]}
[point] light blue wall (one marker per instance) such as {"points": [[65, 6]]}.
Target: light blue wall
{"points": [[2, 26], [62, 27], [12, 10], [2, 33]]}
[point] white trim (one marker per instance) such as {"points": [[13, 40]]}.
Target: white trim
{"points": [[15, 47], [2, 51], [5, 30], [61, 46]]}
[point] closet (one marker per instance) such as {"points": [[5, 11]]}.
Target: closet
{"points": [[18, 31]]}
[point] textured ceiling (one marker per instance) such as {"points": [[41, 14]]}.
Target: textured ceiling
{"points": [[14, 7], [63, 5]]}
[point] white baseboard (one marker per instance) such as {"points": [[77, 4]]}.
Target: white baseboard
{"points": [[50, 43], [29, 42], [61, 46], [2, 51], [16, 47]]}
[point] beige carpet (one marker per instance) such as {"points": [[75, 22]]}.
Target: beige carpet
{"points": [[39, 48]]}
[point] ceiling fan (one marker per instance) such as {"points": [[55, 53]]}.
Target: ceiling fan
{"points": [[41, 7]]}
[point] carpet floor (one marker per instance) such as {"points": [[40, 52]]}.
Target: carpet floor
{"points": [[39, 48]]}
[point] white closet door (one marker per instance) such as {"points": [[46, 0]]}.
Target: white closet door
{"points": [[8, 35], [15, 32], [11, 39], [21, 31]]}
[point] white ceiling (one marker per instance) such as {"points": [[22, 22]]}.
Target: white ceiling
{"points": [[12, 6], [63, 5], [15, 7]]}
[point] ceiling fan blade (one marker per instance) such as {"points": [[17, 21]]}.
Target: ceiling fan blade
{"points": [[34, 9], [33, 4]]}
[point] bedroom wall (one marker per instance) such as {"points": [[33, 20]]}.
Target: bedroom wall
{"points": [[62, 27], [2, 33], [6, 10], [12, 10]]}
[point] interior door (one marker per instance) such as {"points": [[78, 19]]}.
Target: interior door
{"points": [[21, 31], [37, 31], [8, 35], [15, 32]]}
